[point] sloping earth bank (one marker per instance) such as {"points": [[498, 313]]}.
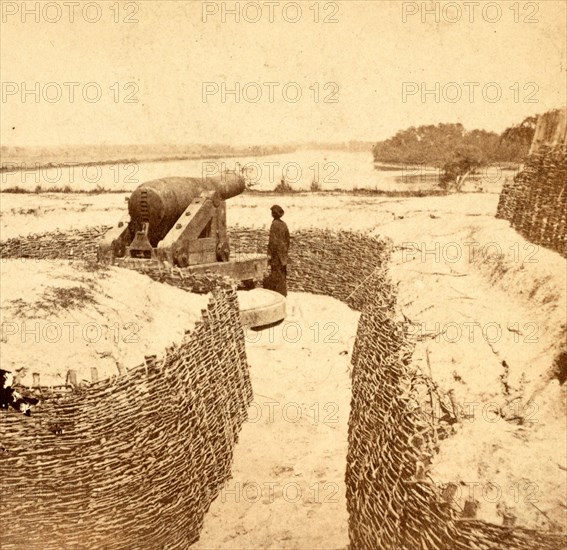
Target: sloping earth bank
{"points": [[59, 316]]}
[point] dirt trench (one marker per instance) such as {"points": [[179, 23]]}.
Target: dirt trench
{"points": [[287, 488]]}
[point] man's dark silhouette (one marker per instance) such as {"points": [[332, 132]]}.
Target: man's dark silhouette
{"points": [[278, 247]]}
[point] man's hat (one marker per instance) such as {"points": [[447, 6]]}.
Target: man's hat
{"points": [[278, 210]]}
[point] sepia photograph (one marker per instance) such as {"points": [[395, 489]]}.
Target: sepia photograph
{"points": [[283, 275]]}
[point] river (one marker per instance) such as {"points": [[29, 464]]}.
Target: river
{"points": [[331, 170]]}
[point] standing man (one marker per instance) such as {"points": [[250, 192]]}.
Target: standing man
{"points": [[278, 247]]}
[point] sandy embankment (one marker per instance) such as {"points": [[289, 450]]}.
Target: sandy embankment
{"points": [[58, 316], [490, 328]]}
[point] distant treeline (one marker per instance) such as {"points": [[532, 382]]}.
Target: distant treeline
{"points": [[456, 151], [353, 146], [18, 158]]}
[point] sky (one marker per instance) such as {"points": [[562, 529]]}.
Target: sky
{"points": [[161, 72]]}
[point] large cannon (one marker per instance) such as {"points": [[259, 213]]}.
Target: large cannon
{"points": [[181, 221]]}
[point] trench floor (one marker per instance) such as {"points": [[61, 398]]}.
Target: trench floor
{"points": [[288, 489]]}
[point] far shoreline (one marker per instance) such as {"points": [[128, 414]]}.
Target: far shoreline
{"points": [[4, 168]]}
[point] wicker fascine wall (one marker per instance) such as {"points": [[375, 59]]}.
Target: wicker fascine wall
{"points": [[134, 461], [394, 427], [535, 202]]}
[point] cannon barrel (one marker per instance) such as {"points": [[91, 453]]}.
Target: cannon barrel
{"points": [[161, 202]]}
